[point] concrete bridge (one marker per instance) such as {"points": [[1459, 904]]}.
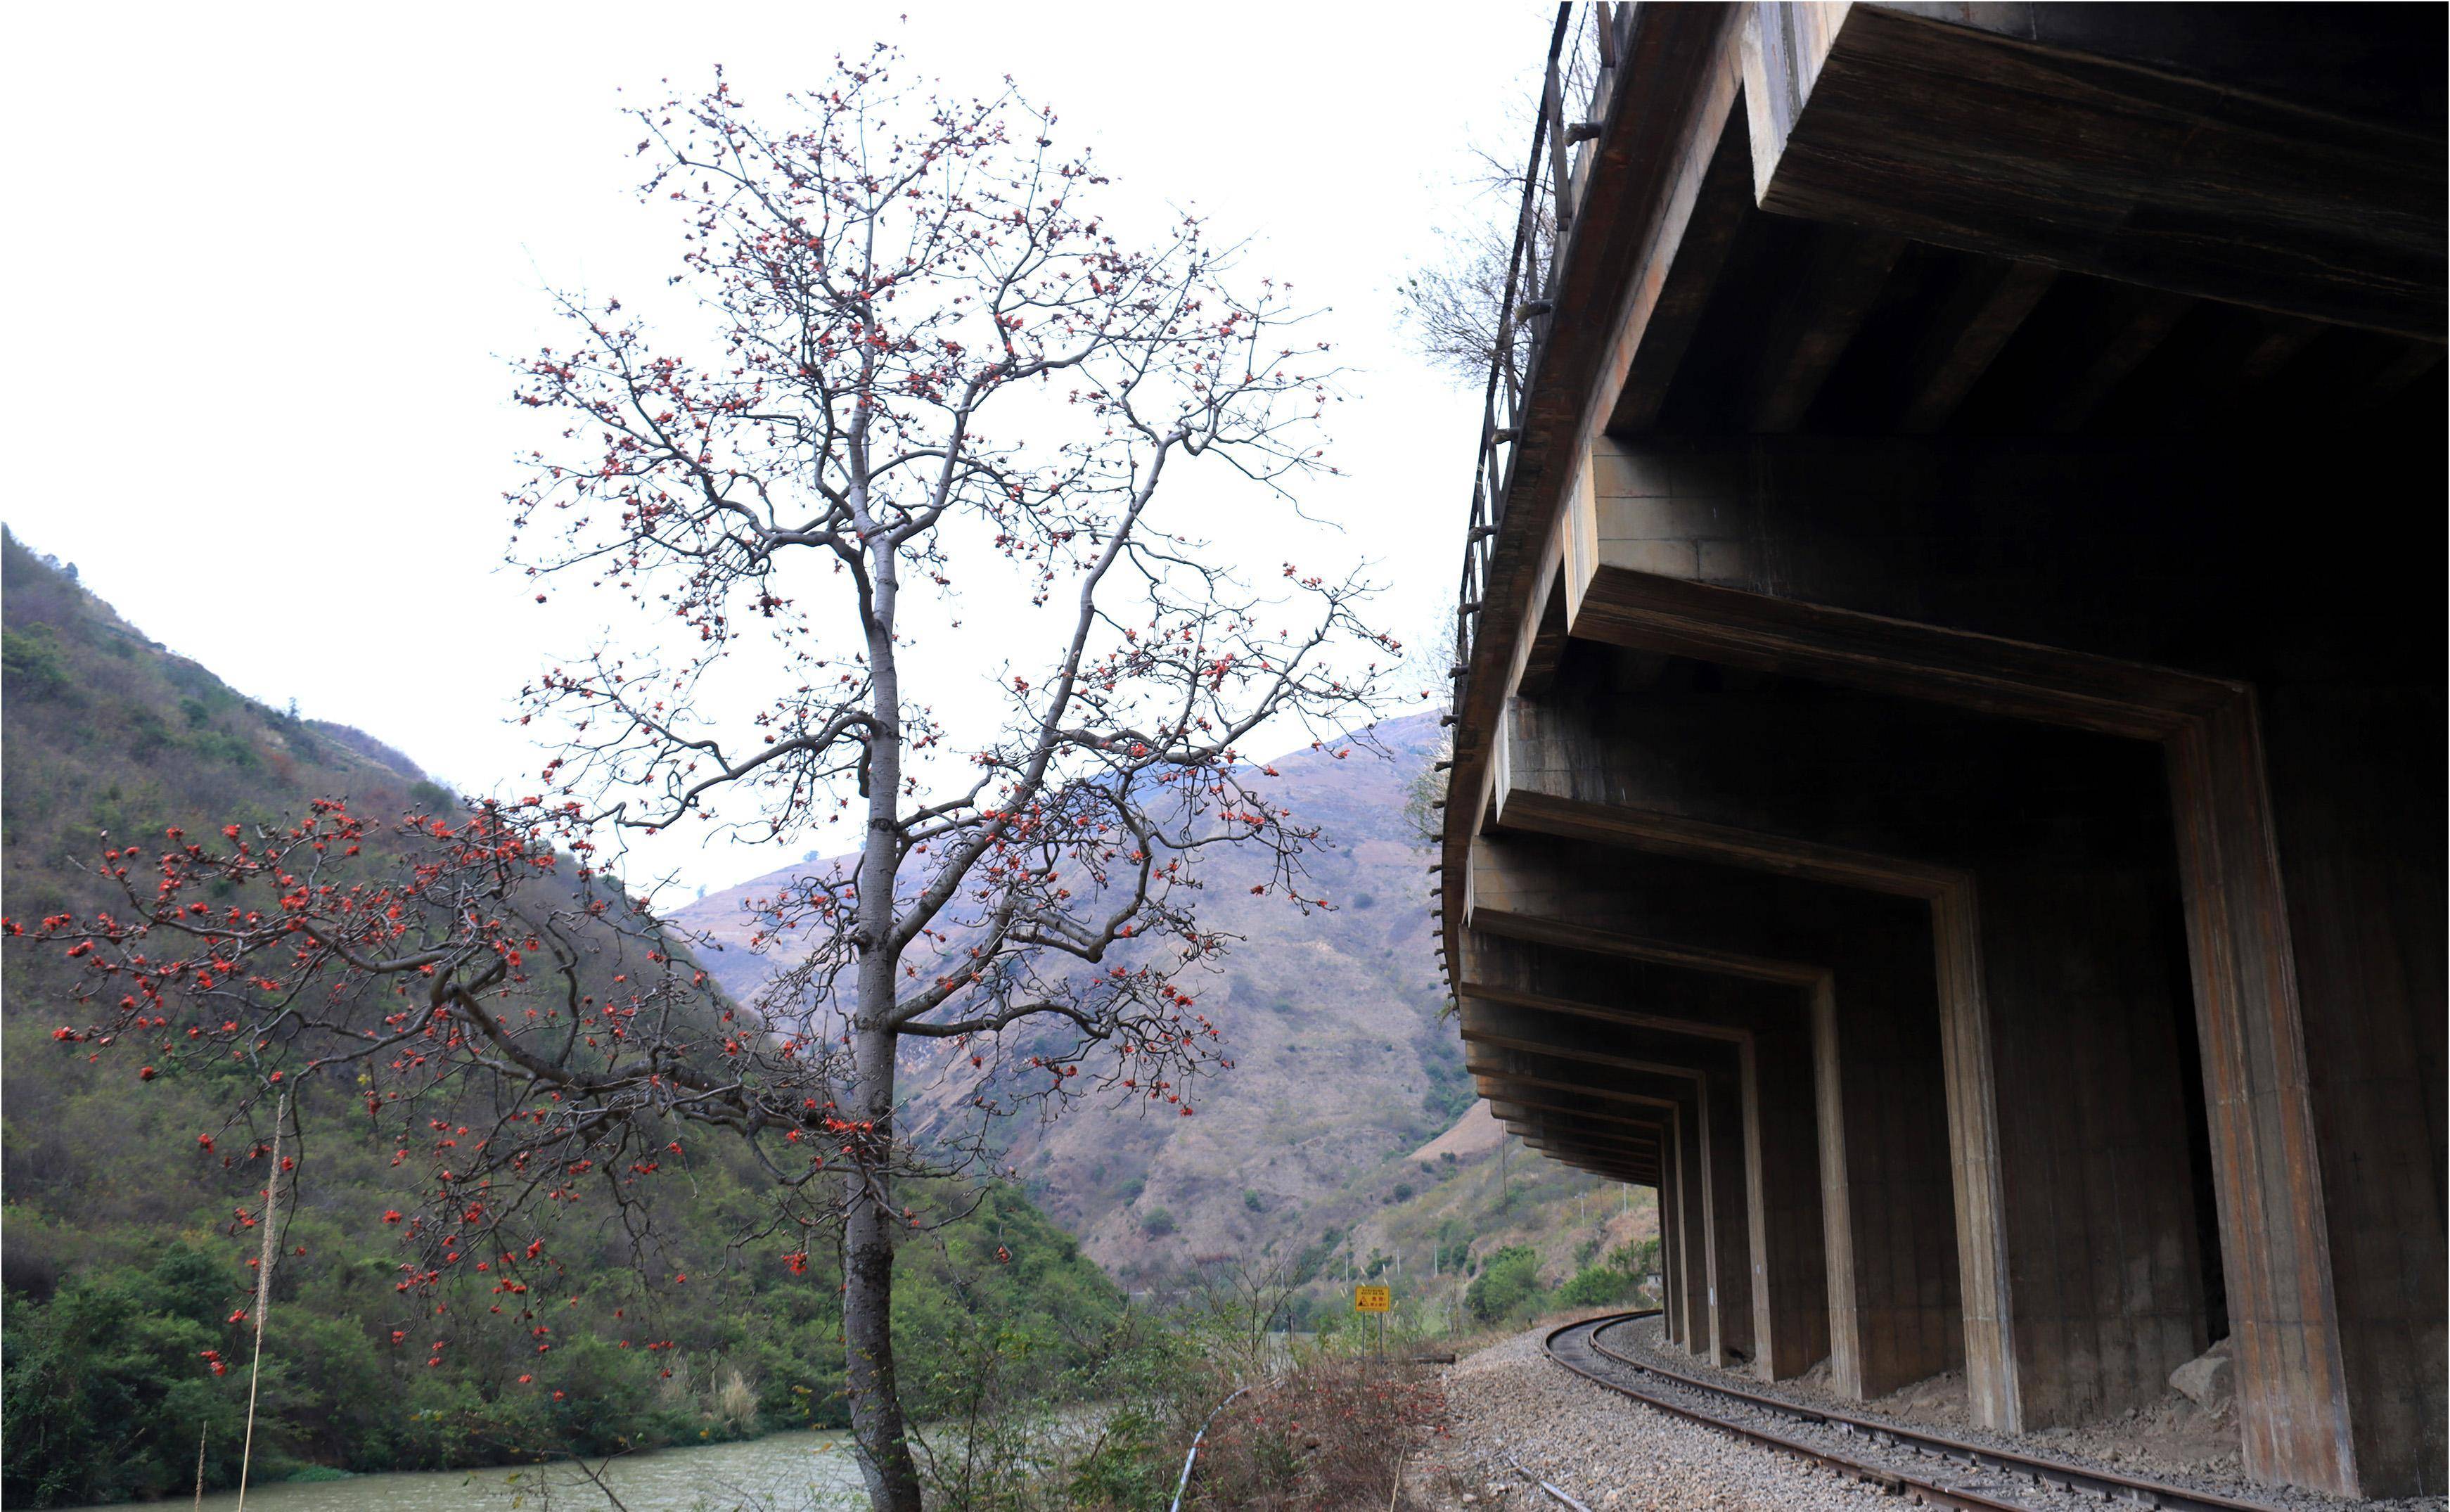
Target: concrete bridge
{"points": [[1948, 752]]}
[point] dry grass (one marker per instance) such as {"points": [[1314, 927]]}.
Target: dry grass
{"points": [[1330, 1434], [736, 1402]]}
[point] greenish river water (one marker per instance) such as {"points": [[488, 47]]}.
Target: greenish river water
{"points": [[781, 1472]]}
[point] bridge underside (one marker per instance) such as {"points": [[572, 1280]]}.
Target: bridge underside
{"points": [[1948, 774]]}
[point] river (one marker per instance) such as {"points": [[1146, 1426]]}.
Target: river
{"points": [[781, 1472]]}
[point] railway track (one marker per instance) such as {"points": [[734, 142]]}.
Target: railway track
{"points": [[1928, 1467]]}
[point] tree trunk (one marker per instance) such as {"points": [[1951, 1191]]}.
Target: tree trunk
{"points": [[869, 1218], [868, 1223]]}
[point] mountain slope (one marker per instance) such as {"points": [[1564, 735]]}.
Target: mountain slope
{"points": [[127, 1240], [1341, 1064], [1347, 1136]]}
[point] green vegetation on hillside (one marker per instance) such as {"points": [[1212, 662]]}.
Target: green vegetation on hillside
{"points": [[127, 1259], [1434, 1224], [108, 1385], [1506, 1288]]}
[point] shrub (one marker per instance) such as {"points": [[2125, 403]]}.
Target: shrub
{"points": [[1634, 1257], [30, 660], [103, 1390], [1507, 1287], [1328, 1433], [1595, 1287], [1157, 1223], [736, 1403]]}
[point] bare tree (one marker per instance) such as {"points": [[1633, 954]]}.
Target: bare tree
{"points": [[1239, 1301], [1455, 306], [924, 351]]}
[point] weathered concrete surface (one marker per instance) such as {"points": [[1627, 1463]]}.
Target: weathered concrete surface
{"points": [[1588, 973], [2158, 551], [2066, 1019], [1700, 1077], [2170, 576], [1862, 966]]}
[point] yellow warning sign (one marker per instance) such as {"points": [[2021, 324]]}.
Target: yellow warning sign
{"points": [[1373, 1299]]}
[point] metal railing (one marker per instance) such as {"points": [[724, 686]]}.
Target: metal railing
{"points": [[1568, 114]]}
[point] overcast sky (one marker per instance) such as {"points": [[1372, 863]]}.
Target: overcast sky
{"points": [[264, 266]]}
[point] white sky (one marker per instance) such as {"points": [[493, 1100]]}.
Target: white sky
{"points": [[264, 264]]}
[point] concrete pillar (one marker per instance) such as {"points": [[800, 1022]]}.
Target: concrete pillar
{"points": [[1671, 1258], [2171, 593], [1701, 1079], [1896, 1305], [2045, 857], [1789, 1250], [1760, 1010], [1692, 1234], [1862, 965], [2355, 770]]}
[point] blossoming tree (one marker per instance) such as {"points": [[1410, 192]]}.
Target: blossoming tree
{"points": [[925, 349]]}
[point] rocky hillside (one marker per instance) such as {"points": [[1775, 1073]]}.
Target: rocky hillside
{"points": [[1341, 1064], [1347, 1133], [1323, 1144], [127, 1265], [111, 733]]}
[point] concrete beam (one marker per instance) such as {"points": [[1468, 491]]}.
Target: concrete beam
{"points": [[2264, 796], [1572, 1140], [1887, 1217], [1572, 1135], [1613, 1158], [2140, 321], [1721, 202], [2055, 961], [1703, 1079], [1961, 136], [1822, 309], [1532, 1107], [1756, 1006], [1983, 311]]}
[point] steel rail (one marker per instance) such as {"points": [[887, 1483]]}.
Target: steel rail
{"points": [[2108, 1484], [1931, 1493], [2032, 1466]]}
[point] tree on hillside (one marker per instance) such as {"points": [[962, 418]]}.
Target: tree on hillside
{"points": [[1458, 306], [925, 352]]}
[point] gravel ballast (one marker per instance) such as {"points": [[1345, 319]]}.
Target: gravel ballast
{"points": [[2122, 1445], [1606, 1452], [1512, 1410]]}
